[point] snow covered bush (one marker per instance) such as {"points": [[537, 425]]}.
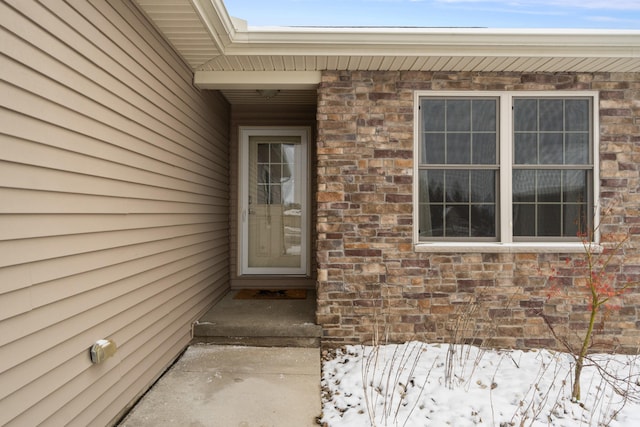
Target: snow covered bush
{"points": [[404, 385]]}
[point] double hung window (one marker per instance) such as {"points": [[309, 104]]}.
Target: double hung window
{"points": [[504, 167]]}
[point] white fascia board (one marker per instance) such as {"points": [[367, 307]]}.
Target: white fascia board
{"points": [[427, 41], [234, 39], [216, 19], [257, 79]]}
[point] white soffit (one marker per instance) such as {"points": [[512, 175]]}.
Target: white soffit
{"points": [[181, 25], [257, 79]]}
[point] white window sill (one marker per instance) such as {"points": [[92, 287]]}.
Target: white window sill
{"points": [[528, 247]]}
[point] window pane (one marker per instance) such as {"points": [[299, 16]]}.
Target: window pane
{"points": [[458, 115], [548, 200], [525, 150], [557, 198], [551, 148], [433, 149], [431, 198], [457, 221], [577, 149], [484, 149], [483, 221], [457, 185], [483, 186], [423, 187], [433, 115], [574, 186], [432, 224], [563, 131], [524, 186], [549, 220], [457, 215], [549, 186], [484, 115], [435, 183], [551, 114], [459, 148], [575, 219], [524, 220], [577, 114], [525, 115]]}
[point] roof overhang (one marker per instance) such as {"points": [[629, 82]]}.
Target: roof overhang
{"points": [[225, 53]]}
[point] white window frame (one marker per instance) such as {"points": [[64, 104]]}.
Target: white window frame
{"points": [[504, 210]]}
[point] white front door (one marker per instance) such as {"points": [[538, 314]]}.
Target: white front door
{"points": [[274, 201]]}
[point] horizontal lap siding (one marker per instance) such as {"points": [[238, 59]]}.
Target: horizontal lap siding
{"points": [[114, 207]]}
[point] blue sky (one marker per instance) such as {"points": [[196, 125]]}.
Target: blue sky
{"points": [[591, 14]]}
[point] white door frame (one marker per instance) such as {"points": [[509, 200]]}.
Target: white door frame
{"points": [[303, 174]]}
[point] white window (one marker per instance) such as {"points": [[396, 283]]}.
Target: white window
{"points": [[504, 167]]}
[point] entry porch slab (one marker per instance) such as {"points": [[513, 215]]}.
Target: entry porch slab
{"points": [[261, 322]]}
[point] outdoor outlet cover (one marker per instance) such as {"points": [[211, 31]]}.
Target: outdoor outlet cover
{"points": [[102, 350]]}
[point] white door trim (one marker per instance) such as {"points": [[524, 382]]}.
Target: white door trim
{"points": [[243, 186]]}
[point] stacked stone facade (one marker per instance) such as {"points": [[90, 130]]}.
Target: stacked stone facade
{"points": [[373, 285]]}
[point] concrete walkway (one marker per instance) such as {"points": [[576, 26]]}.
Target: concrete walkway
{"points": [[234, 386]]}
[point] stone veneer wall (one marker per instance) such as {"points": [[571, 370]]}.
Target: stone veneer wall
{"points": [[369, 275]]}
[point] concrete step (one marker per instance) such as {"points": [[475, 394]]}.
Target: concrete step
{"points": [[262, 323], [269, 335]]}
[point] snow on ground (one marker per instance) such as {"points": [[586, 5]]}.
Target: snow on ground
{"points": [[417, 384]]}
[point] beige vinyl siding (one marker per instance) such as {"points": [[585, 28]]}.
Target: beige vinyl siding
{"points": [[114, 208], [267, 115]]}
